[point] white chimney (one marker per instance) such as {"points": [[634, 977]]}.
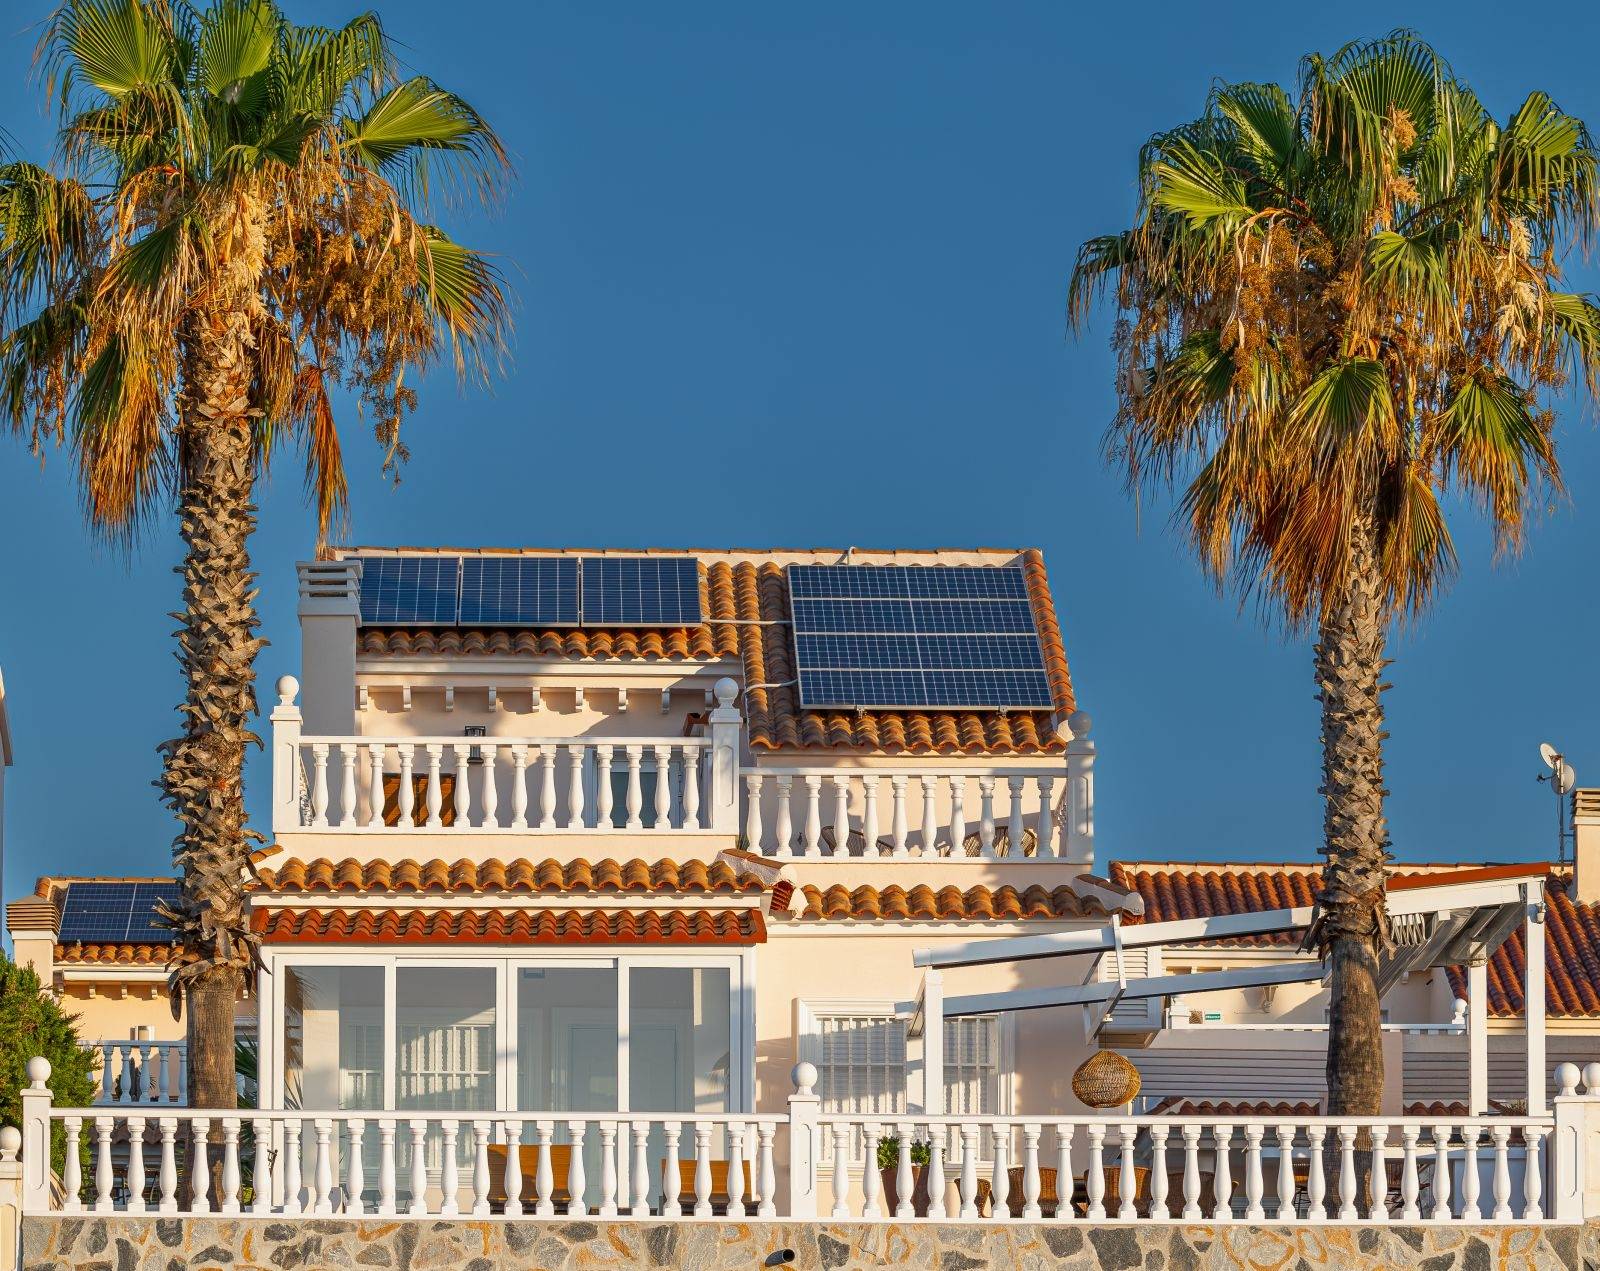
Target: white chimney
{"points": [[1586, 846]]}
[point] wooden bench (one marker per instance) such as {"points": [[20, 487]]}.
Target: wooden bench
{"points": [[528, 1162], [719, 1186]]}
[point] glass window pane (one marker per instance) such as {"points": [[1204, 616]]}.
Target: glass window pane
{"points": [[445, 1032], [567, 1039], [679, 1039], [333, 1037]]}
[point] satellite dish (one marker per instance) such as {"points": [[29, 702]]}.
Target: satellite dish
{"points": [[1549, 754], [1565, 779]]}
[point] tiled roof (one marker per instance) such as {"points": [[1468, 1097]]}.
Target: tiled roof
{"points": [[1572, 930], [323, 874], [923, 903], [510, 926], [1178, 1105], [747, 607], [139, 955]]}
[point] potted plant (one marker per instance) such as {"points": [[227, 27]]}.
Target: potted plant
{"points": [[889, 1171]]}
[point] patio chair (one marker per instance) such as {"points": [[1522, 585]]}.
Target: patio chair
{"points": [[719, 1186], [528, 1162]]}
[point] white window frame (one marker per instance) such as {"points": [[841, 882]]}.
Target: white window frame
{"points": [[742, 1007], [809, 1013]]}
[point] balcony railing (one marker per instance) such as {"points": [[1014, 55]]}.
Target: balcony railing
{"points": [[141, 1072], [1060, 1169]]}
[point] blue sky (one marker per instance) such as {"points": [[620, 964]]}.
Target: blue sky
{"points": [[782, 270]]}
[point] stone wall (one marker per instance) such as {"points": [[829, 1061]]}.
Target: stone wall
{"points": [[243, 1244]]}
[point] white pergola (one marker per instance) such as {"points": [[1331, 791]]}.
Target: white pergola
{"points": [[1454, 919]]}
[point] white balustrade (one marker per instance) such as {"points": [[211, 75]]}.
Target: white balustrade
{"points": [[432, 784], [927, 813], [140, 1072]]}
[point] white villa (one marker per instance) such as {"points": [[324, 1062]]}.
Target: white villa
{"points": [[592, 902]]}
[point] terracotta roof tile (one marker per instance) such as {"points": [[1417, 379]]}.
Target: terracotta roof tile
{"points": [[747, 609], [1572, 930], [1178, 1105], [510, 926], [140, 955], [323, 874], [922, 903]]}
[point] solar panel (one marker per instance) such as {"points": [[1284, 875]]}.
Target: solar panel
{"points": [[944, 637], [515, 591], [115, 913], [410, 591], [633, 591]]}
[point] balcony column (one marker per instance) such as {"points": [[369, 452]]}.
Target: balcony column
{"points": [[1477, 1038], [1533, 992], [933, 1043], [725, 727], [1079, 796], [286, 770]]}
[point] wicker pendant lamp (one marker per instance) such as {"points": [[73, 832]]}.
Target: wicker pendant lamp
{"points": [[1105, 1080]]}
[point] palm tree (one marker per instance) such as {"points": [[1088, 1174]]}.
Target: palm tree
{"points": [[235, 228], [1337, 310]]}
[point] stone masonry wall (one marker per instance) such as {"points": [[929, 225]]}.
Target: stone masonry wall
{"points": [[244, 1244]]}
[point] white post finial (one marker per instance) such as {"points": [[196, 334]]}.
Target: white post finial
{"points": [[10, 1144], [1567, 1080], [38, 1073], [1591, 1079], [288, 686], [804, 1075]]}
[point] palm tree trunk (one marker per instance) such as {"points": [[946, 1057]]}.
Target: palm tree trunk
{"points": [[217, 646], [1352, 926]]}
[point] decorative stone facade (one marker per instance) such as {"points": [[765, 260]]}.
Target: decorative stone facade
{"points": [[245, 1244]]}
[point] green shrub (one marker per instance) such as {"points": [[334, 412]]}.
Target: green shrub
{"points": [[889, 1152], [33, 1023]]}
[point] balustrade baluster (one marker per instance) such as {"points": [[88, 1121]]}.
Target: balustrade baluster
{"points": [[1127, 1184], [691, 789], [634, 801], [753, 829], [1316, 1183], [519, 787], [1441, 1173], [1191, 1172], [292, 1185], [1095, 1182], [349, 753], [386, 1169], [261, 1158], [418, 1200], [936, 1145], [986, 816], [929, 845], [1030, 1172], [449, 1168], [1045, 827], [547, 787], [1158, 1172], [319, 783], [1347, 1173], [480, 1168], [1223, 1181], [604, 797], [1532, 1183], [904, 1174], [1253, 1183], [355, 1172], [513, 1176], [544, 1182], [435, 791], [1501, 1134], [958, 816], [463, 786], [149, 1071], [641, 1170], [1378, 1190], [769, 1172], [897, 818], [1286, 1189], [230, 1165], [702, 1170], [162, 1092], [1469, 1173], [841, 815], [136, 1126], [108, 1073], [104, 1179], [1409, 1134], [871, 1180], [491, 792], [575, 809], [663, 805], [199, 1166], [736, 1170], [784, 824], [869, 816], [406, 792], [1000, 1180], [322, 1169], [608, 1169], [671, 1185], [1014, 821], [577, 1184], [841, 1171], [375, 784], [969, 1172], [169, 1165], [811, 827]]}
